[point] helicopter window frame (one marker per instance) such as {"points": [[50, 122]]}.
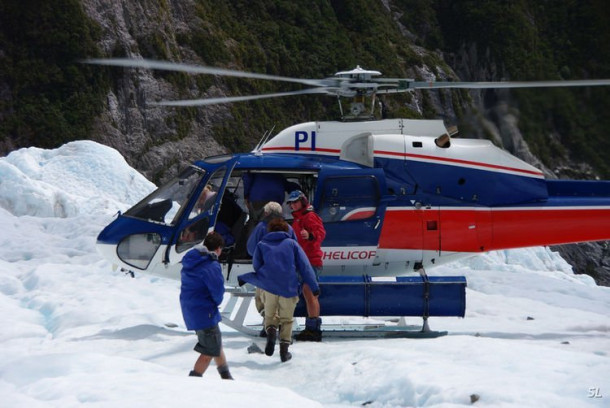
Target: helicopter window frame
{"points": [[166, 204], [192, 234], [341, 207], [138, 250], [205, 203], [198, 220]]}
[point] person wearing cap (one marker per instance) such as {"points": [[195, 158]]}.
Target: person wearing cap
{"points": [[201, 292], [310, 233]]}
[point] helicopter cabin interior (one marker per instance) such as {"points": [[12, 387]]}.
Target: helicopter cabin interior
{"points": [[187, 207], [345, 198]]}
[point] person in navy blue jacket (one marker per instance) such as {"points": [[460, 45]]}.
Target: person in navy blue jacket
{"points": [[280, 266], [201, 292], [271, 210]]}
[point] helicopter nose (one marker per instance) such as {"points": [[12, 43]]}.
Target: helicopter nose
{"points": [[106, 246], [108, 252]]}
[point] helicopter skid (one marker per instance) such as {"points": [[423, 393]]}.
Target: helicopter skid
{"points": [[364, 330], [419, 296]]}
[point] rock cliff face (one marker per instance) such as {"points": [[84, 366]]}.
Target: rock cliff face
{"points": [[156, 140], [493, 113], [159, 141], [283, 38]]}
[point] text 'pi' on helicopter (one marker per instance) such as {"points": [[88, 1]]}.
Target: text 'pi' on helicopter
{"points": [[397, 197]]}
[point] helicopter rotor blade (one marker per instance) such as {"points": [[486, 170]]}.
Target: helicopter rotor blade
{"points": [[345, 84], [213, 101], [404, 84], [196, 69]]}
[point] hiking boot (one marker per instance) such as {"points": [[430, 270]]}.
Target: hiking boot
{"points": [[271, 336], [284, 353], [224, 372], [312, 330], [309, 335], [194, 373], [263, 332]]}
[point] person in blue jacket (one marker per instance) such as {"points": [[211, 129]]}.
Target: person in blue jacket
{"points": [[280, 266], [271, 211], [201, 292]]}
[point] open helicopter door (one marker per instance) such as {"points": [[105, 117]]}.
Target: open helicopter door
{"points": [[202, 209], [154, 234], [352, 205]]}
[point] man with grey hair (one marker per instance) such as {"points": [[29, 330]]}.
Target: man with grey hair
{"points": [[271, 211]]}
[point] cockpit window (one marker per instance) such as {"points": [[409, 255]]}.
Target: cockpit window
{"points": [[164, 204], [203, 208], [206, 200]]}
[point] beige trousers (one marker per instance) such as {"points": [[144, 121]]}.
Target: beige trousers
{"points": [[279, 311]]}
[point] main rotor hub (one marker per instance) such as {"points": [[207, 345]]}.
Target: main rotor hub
{"points": [[358, 74]]}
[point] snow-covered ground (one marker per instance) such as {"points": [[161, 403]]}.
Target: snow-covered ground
{"points": [[76, 333]]}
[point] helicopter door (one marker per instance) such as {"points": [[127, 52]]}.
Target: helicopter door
{"points": [[352, 208], [201, 212]]}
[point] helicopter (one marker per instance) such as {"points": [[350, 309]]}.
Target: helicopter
{"points": [[396, 196]]}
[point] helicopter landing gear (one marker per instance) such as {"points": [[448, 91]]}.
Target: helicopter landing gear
{"points": [[374, 300]]}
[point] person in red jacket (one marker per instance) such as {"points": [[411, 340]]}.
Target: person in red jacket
{"points": [[310, 232]]}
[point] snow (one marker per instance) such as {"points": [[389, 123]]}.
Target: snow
{"points": [[76, 333]]}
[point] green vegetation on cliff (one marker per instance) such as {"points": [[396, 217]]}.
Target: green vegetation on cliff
{"points": [[543, 40], [46, 99]]}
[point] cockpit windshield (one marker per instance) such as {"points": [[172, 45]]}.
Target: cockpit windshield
{"points": [[164, 205]]}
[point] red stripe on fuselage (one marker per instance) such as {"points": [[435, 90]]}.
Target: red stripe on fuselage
{"points": [[470, 230], [549, 226], [306, 149]]}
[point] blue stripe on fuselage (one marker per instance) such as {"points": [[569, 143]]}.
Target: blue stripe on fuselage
{"points": [[469, 185]]}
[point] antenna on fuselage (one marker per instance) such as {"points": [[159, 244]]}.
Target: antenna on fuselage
{"points": [[264, 138]]}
